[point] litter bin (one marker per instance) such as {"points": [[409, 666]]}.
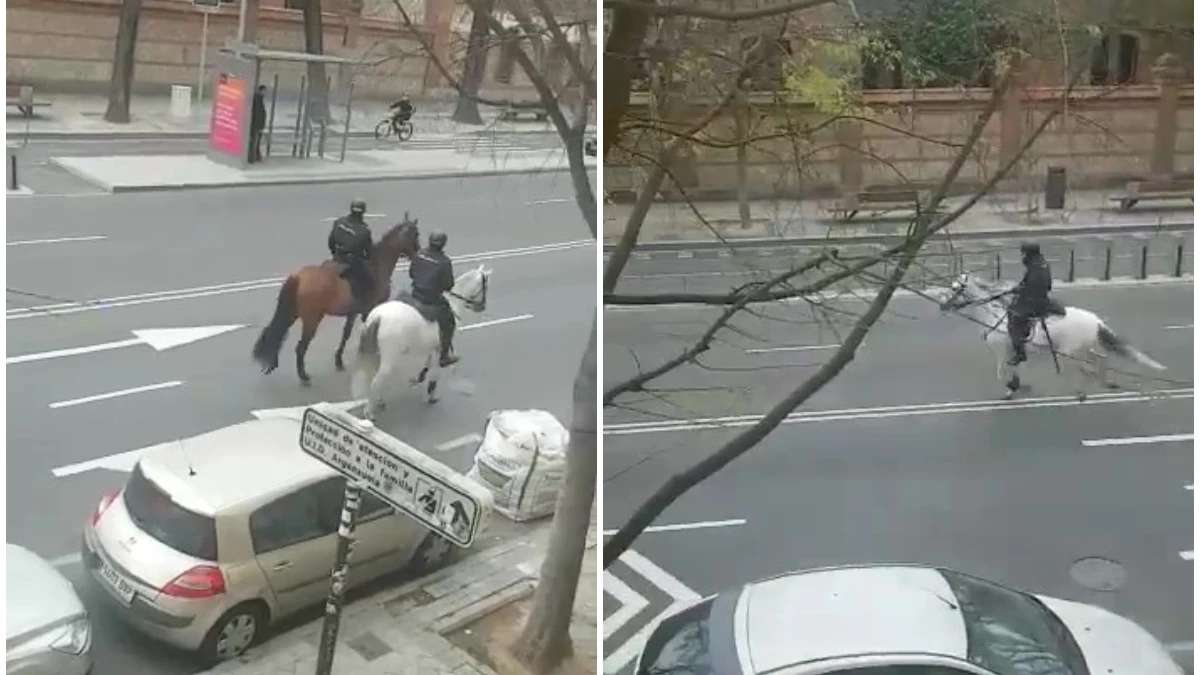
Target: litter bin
{"points": [[1056, 188], [181, 102]]}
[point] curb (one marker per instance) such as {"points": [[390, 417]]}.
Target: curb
{"points": [[733, 245], [309, 180], [203, 135]]}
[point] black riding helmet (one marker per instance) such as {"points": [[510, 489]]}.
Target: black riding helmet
{"points": [[1030, 248], [358, 207], [437, 240]]}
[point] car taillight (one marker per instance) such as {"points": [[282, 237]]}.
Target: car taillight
{"points": [[202, 581], [105, 502]]}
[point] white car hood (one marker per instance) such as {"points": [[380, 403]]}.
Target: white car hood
{"points": [[1113, 645]]}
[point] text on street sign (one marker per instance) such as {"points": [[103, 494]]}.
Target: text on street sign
{"points": [[435, 495]]}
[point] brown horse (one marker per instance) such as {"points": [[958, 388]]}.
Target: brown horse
{"points": [[313, 292]]}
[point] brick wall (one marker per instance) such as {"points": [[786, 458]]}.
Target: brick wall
{"points": [[1108, 138], [67, 45]]}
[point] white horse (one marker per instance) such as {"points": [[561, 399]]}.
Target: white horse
{"points": [[1078, 337], [396, 329]]}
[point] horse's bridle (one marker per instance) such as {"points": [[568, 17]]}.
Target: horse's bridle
{"points": [[473, 304]]}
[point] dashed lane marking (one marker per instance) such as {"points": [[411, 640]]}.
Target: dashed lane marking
{"points": [[61, 240], [459, 442], [116, 394], [678, 527], [1139, 440]]}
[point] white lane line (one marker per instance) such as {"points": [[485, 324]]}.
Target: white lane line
{"points": [[330, 219], [116, 394], [681, 594], [61, 240], [1190, 487], [702, 525], [798, 348], [1187, 555], [885, 412], [496, 322], [459, 442], [631, 603], [1139, 440], [1078, 285], [62, 308], [68, 560], [539, 202], [1178, 327], [1176, 647]]}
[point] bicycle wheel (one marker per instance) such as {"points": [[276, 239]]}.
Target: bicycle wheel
{"points": [[404, 131], [383, 130]]}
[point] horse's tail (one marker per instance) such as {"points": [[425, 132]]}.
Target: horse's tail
{"points": [[1113, 343], [368, 358], [270, 341]]}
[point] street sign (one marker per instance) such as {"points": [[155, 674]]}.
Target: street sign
{"points": [[204, 4], [437, 496]]}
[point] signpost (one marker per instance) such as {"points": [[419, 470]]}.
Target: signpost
{"points": [[441, 499], [206, 7]]}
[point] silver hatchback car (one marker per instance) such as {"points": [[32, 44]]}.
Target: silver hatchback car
{"points": [[215, 537], [47, 629]]}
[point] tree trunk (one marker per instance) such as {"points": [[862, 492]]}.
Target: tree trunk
{"points": [[314, 43], [741, 119], [466, 110], [545, 640], [120, 86], [622, 50]]}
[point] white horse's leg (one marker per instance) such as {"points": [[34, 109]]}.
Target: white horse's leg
{"points": [[421, 375], [1100, 360], [435, 371]]}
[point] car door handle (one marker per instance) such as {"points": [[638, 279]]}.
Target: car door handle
{"points": [[282, 566]]}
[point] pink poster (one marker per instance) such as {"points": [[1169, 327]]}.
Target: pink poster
{"points": [[229, 99]]}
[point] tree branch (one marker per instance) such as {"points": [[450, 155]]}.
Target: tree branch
{"points": [[704, 13]]}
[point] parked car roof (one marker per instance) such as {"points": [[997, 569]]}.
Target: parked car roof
{"points": [[249, 462]]}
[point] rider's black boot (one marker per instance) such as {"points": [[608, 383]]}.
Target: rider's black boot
{"points": [[1018, 356], [446, 358]]}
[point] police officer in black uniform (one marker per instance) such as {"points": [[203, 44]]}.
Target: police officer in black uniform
{"points": [[432, 274], [350, 243], [1031, 298]]}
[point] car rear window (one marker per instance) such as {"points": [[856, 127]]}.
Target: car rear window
{"points": [[680, 644], [153, 512]]}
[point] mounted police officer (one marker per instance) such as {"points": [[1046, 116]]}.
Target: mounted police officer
{"points": [[432, 275], [350, 243], [1031, 298]]}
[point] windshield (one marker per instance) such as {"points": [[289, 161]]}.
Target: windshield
{"points": [[1011, 633], [155, 514], [679, 645]]}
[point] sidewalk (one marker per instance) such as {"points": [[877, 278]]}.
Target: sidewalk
{"points": [[138, 173], [427, 627], [672, 221], [71, 115]]}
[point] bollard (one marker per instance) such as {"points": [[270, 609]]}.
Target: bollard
{"points": [[1071, 265], [1144, 272], [998, 277], [15, 184], [1179, 260], [1107, 262]]}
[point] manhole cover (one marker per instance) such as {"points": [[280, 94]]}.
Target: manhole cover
{"points": [[1098, 574]]}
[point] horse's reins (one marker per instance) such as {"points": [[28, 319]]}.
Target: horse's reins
{"points": [[995, 326], [477, 305]]}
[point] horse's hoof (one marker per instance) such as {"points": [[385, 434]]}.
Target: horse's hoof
{"points": [[1010, 394], [1112, 385], [341, 367], [432, 399], [412, 381], [1081, 397], [305, 382]]}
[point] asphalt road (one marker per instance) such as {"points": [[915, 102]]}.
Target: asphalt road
{"points": [[193, 245], [907, 456], [41, 177], [714, 271]]}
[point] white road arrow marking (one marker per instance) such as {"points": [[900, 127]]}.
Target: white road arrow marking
{"points": [[681, 595], [297, 412], [160, 339]]}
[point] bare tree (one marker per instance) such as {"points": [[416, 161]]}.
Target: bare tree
{"points": [[466, 110], [544, 640], [314, 43], [120, 87], [709, 63]]}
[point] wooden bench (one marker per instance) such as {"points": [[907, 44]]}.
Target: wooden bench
{"points": [[21, 98], [878, 200], [1154, 189], [513, 113]]}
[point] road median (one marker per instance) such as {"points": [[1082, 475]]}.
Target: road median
{"points": [[144, 173]]}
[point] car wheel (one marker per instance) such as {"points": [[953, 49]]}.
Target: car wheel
{"points": [[430, 554], [235, 632]]}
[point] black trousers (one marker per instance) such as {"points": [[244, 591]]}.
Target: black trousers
{"points": [[445, 320]]}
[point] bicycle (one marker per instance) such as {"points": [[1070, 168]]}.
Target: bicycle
{"points": [[403, 130]]}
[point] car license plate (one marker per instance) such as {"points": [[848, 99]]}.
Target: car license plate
{"points": [[117, 583]]}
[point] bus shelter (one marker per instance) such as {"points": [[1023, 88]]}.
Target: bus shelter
{"points": [[238, 74]]}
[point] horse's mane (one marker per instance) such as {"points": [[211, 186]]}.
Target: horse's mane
{"points": [[396, 229]]}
